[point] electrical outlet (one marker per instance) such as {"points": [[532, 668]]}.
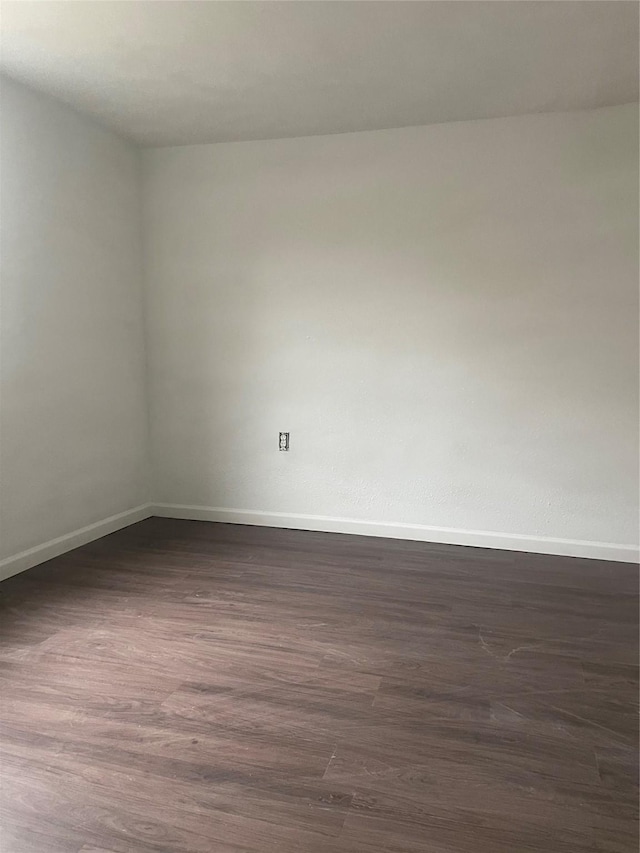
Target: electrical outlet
{"points": [[284, 441]]}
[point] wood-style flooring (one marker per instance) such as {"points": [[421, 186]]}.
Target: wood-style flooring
{"points": [[189, 687]]}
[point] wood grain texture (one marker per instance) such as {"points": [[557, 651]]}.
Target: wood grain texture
{"points": [[189, 687]]}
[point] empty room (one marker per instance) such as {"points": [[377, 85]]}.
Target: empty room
{"points": [[319, 426]]}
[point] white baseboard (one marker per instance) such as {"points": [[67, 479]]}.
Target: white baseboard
{"points": [[417, 532], [54, 547]]}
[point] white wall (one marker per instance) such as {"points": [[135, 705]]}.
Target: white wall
{"points": [[445, 318], [73, 419]]}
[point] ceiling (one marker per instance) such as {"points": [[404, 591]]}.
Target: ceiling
{"points": [[171, 73]]}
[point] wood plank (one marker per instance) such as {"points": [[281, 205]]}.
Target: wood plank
{"points": [[194, 687]]}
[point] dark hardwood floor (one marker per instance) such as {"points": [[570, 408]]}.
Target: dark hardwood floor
{"points": [[197, 688]]}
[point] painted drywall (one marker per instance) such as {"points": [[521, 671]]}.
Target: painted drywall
{"points": [[445, 318], [192, 72], [73, 416]]}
